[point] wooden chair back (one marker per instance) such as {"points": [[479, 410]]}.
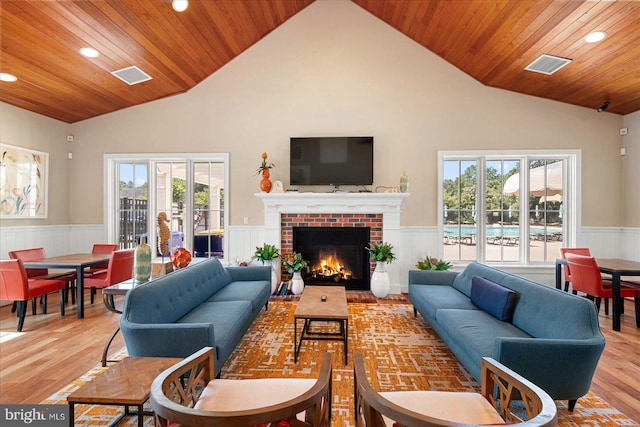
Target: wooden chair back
{"points": [[500, 387], [175, 391]]}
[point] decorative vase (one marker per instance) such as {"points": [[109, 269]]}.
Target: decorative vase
{"points": [[274, 275], [404, 183], [142, 262], [380, 283], [265, 183], [297, 284]]}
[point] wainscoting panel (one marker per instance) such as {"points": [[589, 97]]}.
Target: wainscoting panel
{"points": [[416, 242], [243, 241]]}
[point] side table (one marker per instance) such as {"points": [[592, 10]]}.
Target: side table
{"points": [[126, 383]]}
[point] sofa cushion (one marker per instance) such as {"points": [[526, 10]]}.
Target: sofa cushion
{"points": [[256, 291], [428, 299], [496, 300], [230, 320], [471, 335]]}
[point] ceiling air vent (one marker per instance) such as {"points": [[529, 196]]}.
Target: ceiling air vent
{"points": [[131, 75], [547, 64]]}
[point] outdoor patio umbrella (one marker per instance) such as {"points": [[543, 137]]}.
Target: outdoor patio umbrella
{"points": [[542, 180]]}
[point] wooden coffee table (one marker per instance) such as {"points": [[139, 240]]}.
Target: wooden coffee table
{"points": [[126, 383], [311, 307]]}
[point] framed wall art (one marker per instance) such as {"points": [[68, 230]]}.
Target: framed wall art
{"points": [[23, 182]]}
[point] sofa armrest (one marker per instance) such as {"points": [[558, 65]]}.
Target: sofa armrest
{"points": [[166, 339], [562, 367], [431, 277], [248, 273]]}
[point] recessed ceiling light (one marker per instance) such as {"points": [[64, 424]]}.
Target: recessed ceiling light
{"points": [[180, 5], [89, 52], [596, 36], [6, 77]]}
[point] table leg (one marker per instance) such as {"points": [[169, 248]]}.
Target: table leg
{"points": [[106, 348], [140, 416], [616, 301], [80, 291], [295, 339], [72, 418], [346, 338], [558, 275]]}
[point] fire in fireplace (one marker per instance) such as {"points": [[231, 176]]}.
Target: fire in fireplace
{"points": [[330, 267], [336, 255]]}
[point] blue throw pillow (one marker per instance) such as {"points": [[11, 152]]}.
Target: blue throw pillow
{"points": [[498, 301]]}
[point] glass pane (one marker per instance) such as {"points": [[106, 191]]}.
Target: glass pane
{"points": [[459, 210], [208, 202], [545, 208], [170, 206], [133, 195], [502, 215]]}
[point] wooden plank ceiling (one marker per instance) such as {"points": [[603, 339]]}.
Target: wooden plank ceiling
{"points": [[492, 41]]}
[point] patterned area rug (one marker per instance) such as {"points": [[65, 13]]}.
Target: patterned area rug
{"points": [[402, 353]]}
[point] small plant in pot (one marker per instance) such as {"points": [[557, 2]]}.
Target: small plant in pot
{"points": [[294, 263], [381, 251], [266, 253], [429, 263]]}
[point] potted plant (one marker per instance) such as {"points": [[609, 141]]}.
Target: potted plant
{"points": [[381, 253], [266, 254], [429, 263], [295, 263]]}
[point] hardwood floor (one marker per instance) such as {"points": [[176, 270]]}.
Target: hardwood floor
{"points": [[52, 351]]}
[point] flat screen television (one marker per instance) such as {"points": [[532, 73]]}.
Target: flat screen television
{"points": [[346, 160]]}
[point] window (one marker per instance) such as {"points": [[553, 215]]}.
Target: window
{"points": [[186, 190], [507, 207]]}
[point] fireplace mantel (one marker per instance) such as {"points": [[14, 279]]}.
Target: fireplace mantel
{"points": [[276, 204]]}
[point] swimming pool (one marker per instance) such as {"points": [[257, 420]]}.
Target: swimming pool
{"points": [[507, 231]]}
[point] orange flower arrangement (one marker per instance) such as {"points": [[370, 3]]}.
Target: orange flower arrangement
{"points": [[264, 166]]}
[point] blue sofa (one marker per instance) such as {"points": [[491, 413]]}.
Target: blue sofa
{"points": [[201, 305], [551, 337]]}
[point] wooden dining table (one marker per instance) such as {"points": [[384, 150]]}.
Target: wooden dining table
{"points": [[78, 262], [615, 267]]}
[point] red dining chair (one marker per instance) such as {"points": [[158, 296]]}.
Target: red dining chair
{"points": [[119, 269], [586, 278], [15, 285], [101, 248], [34, 254], [567, 270]]}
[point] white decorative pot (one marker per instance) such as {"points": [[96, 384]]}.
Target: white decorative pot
{"points": [[275, 280], [380, 283], [297, 284]]}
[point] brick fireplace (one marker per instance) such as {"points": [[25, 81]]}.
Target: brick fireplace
{"points": [[372, 223], [380, 212]]}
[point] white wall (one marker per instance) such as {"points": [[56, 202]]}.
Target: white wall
{"points": [[631, 171], [334, 69]]}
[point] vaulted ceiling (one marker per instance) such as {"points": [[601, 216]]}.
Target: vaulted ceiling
{"points": [[492, 41]]}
